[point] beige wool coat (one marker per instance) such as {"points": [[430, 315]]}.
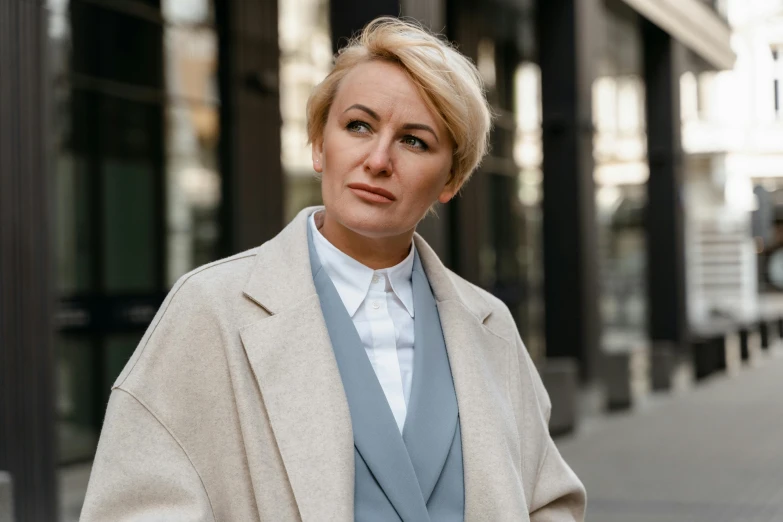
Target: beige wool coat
{"points": [[232, 407]]}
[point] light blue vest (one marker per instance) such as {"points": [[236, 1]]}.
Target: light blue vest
{"points": [[416, 477]]}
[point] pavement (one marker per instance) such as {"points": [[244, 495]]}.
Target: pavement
{"points": [[711, 453]]}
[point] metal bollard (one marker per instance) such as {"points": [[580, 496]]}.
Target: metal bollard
{"points": [[6, 497], [561, 377], [662, 360]]}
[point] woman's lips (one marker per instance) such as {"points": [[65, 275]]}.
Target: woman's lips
{"points": [[372, 194]]}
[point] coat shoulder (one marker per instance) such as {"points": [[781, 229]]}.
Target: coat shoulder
{"points": [[490, 309], [202, 306], [225, 274]]}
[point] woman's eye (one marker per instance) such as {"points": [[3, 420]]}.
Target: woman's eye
{"points": [[416, 143], [358, 126]]}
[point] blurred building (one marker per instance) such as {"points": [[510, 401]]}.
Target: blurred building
{"points": [[170, 133], [733, 130]]}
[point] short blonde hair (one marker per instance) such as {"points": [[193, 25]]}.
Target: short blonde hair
{"points": [[449, 83]]}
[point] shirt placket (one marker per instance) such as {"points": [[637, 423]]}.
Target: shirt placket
{"points": [[387, 364]]}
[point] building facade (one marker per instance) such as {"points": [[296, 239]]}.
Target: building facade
{"points": [[733, 131], [169, 133]]}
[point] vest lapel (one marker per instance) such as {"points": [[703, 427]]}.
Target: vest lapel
{"points": [[375, 432], [431, 422]]}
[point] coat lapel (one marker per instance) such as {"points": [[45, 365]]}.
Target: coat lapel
{"points": [[300, 385], [487, 452], [432, 414], [293, 363], [375, 431]]}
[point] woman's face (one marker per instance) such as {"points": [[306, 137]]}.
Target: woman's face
{"points": [[384, 156]]}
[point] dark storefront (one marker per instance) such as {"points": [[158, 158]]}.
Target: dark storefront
{"points": [[137, 188], [149, 156]]}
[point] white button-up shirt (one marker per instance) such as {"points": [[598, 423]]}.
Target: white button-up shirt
{"points": [[380, 303]]}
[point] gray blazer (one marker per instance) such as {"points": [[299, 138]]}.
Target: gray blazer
{"points": [[232, 406], [416, 476]]}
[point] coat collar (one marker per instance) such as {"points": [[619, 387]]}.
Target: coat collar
{"points": [[282, 277]]}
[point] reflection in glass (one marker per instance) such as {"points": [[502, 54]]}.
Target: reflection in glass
{"points": [[621, 172], [621, 243], [187, 11], [193, 181], [129, 227], [56, 6], [73, 231], [134, 134], [305, 59], [191, 66], [528, 155], [112, 47], [77, 432], [193, 191]]}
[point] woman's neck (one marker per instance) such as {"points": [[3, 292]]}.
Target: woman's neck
{"points": [[375, 253]]}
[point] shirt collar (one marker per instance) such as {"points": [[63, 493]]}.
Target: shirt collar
{"points": [[352, 279], [400, 279]]}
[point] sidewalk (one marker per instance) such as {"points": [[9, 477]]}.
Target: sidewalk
{"points": [[710, 454]]}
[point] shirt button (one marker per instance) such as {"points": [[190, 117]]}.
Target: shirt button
{"points": [[376, 305], [375, 279]]}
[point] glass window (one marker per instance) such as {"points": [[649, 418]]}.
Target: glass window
{"points": [[187, 11], [689, 97], [73, 227], [135, 134], [129, 244], [777, 80], [621, 172], [528, 154], [305, 59], [191, 64], [76, 383], [193, 188], [111, 50], [193, 181]]}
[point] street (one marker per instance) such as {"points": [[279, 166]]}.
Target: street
{"points": [[710, 454]]}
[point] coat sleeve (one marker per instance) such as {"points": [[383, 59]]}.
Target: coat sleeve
{"points": [[141, 472], [558, 494]]}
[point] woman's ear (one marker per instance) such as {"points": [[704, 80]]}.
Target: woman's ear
{"points": [[318, 153], [446, 195], [450, 190]]}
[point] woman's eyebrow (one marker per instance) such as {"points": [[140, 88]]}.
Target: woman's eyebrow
{"points": [[372, 113]]}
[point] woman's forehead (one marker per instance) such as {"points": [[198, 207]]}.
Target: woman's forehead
{"points": [[385, 88]]}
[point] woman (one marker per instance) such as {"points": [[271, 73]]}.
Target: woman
{"points": [[340, 371]]}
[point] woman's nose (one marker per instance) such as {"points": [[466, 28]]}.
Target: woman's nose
{"points": [[378, 161]]}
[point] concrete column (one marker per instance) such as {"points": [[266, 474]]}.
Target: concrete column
{"points": [[567, 32], [253, 179], [663, 59], [348, 17], [27, 429]]}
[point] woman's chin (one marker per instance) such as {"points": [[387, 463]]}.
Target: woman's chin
{"points": [[373, 225], [373, 230]]}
